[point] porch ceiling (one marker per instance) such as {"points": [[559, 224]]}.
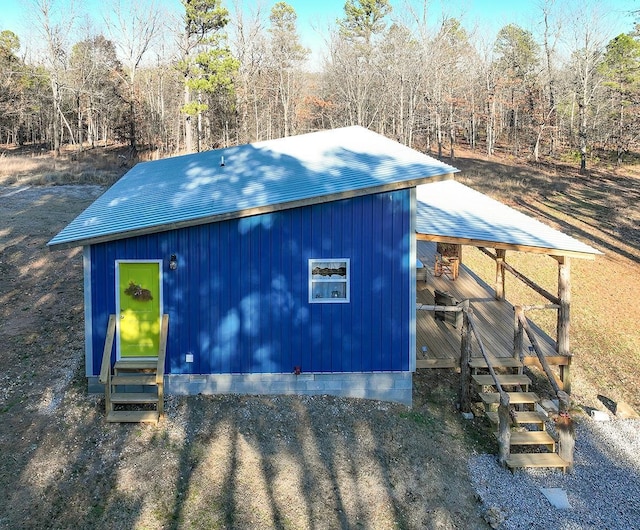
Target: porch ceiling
{"points": [[451, 212]]}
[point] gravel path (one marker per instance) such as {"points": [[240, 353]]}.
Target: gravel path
{"points": [[603, 489]]}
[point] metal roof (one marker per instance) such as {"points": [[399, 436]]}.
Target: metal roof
{"points": [[255, 178], [451, 211]]}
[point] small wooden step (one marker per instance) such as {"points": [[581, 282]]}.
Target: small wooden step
{"points": [[533, 438], [131, 366], [437, 363], [523, 417], [503, 379], [134, 379], [500, 362], [536, 460], [133, 416], [515, 398], [134, 397]]}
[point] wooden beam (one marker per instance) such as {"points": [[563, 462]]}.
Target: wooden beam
{"points": [[518, 334], [504, 430], [536, 347], [427, 307], [553, 360], [501, 255], [465, 356], [540, 290], [105, 369], [554, 252], [564, 312], [162, 354]]}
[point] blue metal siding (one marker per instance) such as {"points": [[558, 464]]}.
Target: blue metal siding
{"points": [[239, 298]]}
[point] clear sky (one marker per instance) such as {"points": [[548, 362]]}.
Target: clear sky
{"points": [[315, 16]]}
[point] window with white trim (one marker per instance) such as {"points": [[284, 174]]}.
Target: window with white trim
{"points": [[329, 281]]}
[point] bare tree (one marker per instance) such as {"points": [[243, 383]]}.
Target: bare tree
{"points": [[589, 33], [55, 35], [133, 27], [250, 47], [551, 30], [287, 55]]}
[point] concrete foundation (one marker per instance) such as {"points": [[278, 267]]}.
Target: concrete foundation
{"points": [[385, 386]]}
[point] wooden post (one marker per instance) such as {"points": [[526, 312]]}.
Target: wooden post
{"points": [[465, 355], [564, 313], [504, 430], [565, 376], [518, 333], [566, 430], [500, 260]]}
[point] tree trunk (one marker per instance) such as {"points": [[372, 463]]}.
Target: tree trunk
{"points": [[188, 133], [56, 124], [582, 134], [452, 132]]}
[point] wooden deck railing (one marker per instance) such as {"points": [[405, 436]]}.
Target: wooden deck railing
{"points": [[505, 418], [162, 353], [564, 426], [105, 368]]}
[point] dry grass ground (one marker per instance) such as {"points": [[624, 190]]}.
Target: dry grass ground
{"points": [[284, 462], [34, 166]]}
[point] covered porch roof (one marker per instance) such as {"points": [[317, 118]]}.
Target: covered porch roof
{"points": [[451, 212]]}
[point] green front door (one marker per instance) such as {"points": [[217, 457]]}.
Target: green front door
{"points": [[139, 308]]}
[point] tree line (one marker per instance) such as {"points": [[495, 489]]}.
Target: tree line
{"points": [[220, 76]]}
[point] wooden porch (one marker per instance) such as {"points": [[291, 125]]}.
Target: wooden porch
{"points": [[438, 342]]}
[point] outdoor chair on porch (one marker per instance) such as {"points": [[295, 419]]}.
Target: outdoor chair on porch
{"points": [[447, 260], [442, 298]]}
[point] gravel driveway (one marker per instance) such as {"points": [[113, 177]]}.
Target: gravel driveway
{"points": [[603, 489]]}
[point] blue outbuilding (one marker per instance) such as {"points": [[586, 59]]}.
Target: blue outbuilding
{"points": [[285, 266]]}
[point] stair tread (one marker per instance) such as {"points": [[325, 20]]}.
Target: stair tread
{"points": [[134, 397], [503, 379], [136, 365], [133, 416], [134, 379], [515, 398], [503, 362], [521, 416], [531, 438], [536, 460]]}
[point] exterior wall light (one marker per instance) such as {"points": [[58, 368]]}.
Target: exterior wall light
{"points": [[173, 262]]}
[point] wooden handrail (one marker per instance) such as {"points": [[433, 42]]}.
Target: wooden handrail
{"points": [[538, 289], [162, 349], [427, 307], [524, 322], [484, 353], [564, 427], [162, 355], [505, 418], [105, 369], [539, 306]]}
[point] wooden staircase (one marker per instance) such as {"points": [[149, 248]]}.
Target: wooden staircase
{"points": [[528, 436], [134, 389]]}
